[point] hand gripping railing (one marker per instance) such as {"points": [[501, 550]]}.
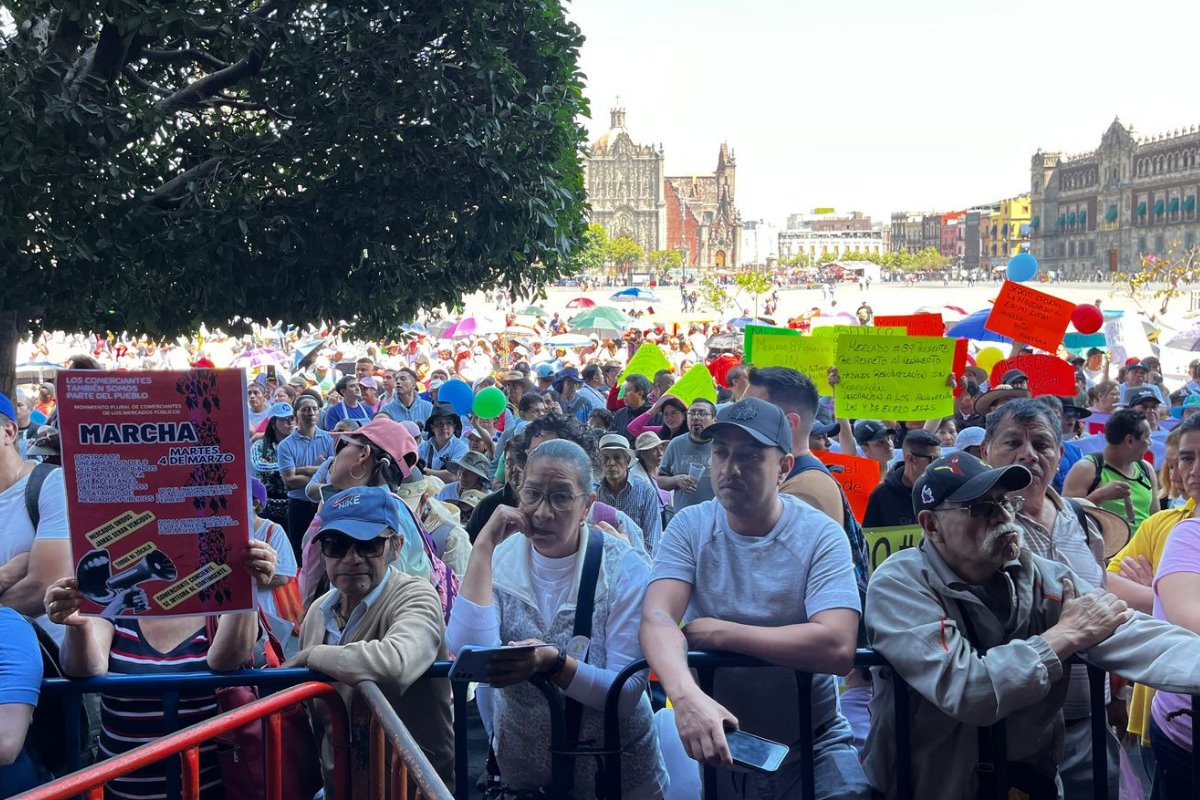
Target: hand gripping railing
{"points": [[393, 756], [186, 743]]}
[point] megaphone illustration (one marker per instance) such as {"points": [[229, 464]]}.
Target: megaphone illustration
{"points": [[157, 565], [93, 574]]}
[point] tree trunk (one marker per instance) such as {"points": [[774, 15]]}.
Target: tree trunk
{"points": [[10, 337]]}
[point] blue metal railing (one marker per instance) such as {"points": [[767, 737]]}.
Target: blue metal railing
{"points": [[706, 664]]}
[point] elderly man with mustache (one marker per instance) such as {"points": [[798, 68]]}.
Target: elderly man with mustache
{"points": [[979, 628]]}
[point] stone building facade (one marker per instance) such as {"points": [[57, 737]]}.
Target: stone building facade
{"points": [[630, 195], [1101, 212], [625, 186]]}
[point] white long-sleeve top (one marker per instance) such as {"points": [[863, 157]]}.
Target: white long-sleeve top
{"points": [[479, 625]]}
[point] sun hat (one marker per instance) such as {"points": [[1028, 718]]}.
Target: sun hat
{"points": [[392, 438], [647, 441]]}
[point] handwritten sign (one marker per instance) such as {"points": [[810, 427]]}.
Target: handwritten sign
{"points": [[1047, 374], [883, 542], [1030, 316], [856, 475], [914, 324], [855, 330], [783, 347], [155, 465], [894, 377]]}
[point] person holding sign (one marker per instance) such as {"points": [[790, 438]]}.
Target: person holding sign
{"points": [[152, 646]]}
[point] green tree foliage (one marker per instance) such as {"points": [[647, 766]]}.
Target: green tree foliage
{"points": [[713, 297], [590, 257], [753, 283], [166, 163], [626, 254], [663, 261]]}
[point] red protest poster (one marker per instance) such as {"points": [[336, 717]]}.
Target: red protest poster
{"points": [[158, 489], [857, 476], [917, 324], [960, 363], [1047, 374], [1027, 315]]}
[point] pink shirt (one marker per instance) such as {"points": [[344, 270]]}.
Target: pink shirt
{"points": [[1182, 554]]}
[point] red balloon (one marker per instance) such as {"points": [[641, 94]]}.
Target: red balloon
{"points": [[1087, 318]]}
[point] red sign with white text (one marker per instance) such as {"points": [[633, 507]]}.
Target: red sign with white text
{"points": [[1046, 374], [158, 489]]}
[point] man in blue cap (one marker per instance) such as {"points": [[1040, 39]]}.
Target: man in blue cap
{"points": [[572, 402], [377, 623]]}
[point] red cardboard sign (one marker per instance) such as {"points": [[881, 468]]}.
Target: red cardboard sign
{"points": [[857, 476], [960, 364], [1027, 315], [916, 324], [158, 486], [1047, 374]]}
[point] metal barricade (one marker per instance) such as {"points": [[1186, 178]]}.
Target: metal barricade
{"points": [[186, 743], [392, 757]]}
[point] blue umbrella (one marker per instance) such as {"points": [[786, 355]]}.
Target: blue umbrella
{"points": [[634, 294], [305, 350], [971, 327], [741, 322]]}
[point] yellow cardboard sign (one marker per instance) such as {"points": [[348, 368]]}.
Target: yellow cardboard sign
{"points": [[856, 330], [202, 578], [696, 383], [118, 528], [883, 542], [648, 360], [783, 347], [894, 377]]}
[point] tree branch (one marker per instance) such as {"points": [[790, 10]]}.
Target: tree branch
{"points": [[110, 52], [187, 54], [141, 83], [66, 38], [164, 196]]}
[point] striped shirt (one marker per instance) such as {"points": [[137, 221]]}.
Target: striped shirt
{"points": [[127, 722]]}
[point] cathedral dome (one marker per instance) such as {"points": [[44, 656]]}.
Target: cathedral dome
{"points": [[609, 137]]}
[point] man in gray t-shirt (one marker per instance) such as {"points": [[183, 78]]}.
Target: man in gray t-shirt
{"points": [[685, 456], [765, 575]]}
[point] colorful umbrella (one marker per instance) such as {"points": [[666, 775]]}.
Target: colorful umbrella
{"points": [[259, 357], [305, 350], [742, 322], [471, 326], [568, 340], [634, 294], [532, 311], [581, 302], [971, 327]]}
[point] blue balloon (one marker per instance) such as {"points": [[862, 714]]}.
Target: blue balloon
{"points": [[458, 394], [1022, 267]]}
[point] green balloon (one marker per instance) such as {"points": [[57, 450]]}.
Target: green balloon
{"points": [[489, 403]]}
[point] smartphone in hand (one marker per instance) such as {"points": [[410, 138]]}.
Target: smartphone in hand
{"points": [[755, 753]]}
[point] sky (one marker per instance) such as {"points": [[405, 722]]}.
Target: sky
{"points": [[883, 105]]}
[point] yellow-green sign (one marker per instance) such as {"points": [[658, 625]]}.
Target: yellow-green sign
{"points": [[882, 542], [894, 377], [784, 347]]}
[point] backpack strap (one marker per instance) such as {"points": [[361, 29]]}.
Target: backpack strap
{"points": [[585, 604], [1097, 460], [33, 492]]}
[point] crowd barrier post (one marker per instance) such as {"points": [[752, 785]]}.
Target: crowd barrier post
{"points": [[393, 756]]}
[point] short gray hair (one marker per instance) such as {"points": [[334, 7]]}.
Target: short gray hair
{"points": [[569, 453], [1022, 411]]}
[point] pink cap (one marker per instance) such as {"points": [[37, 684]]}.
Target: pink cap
{"points": [[393, 438]]}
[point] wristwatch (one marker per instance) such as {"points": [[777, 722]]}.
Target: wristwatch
{"points": [[555, 668]]}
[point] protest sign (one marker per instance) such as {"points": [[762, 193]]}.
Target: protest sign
{"points": [[648, 360], [894, 377], [1047, 374], [914, 324], [1027, 315], [883, 542], [697, 382], [158, 490], [1079, 342], [834, 331], [1126, 338], [783, 347], [856, 475], [960, 363]]}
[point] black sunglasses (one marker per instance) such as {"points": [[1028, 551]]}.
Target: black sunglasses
{"points": [[337, 545]]}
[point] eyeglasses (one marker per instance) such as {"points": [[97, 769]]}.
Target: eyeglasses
{"points": [[986, 509], [344, 443], [338, 545], [560, 501], [704, 413]]}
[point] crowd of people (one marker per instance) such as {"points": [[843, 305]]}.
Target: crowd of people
{"points": [[605, 517]]}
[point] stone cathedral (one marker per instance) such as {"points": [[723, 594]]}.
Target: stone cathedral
{"points": [[631, 195]]}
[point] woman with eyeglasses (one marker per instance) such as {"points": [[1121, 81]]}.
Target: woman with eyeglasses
{"points": [[381, 453], [673, 413], [524, 589]]}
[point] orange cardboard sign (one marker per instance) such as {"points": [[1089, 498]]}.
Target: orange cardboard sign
{"points": [[1027, 315], [856, 475], [916, 324], [1047, 374]]}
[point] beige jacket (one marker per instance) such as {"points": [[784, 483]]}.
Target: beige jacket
{"points": [[398, 639]]}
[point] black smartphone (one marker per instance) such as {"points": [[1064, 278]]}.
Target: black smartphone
{"points": [[754, 752]]}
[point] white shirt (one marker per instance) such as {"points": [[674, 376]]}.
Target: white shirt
{"points": [[17, 534], [285, 561]]}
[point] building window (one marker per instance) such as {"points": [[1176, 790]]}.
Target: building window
{"points": [[1141, 245], [1158, 244]]}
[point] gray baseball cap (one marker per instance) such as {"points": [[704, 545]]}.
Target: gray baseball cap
{"points": [[763, 422]]}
